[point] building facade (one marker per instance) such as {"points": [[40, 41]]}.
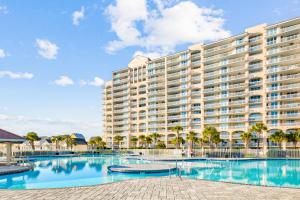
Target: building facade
{"points": [[230, 84]]}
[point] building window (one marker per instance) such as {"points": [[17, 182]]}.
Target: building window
{"points": [[271, 31], [271, 40], [239, 49], [239, 41]]}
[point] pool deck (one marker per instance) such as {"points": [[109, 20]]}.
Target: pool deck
{"points": [[158, 189]]}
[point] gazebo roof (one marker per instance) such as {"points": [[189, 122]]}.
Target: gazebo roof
{"points": [[6, 136]]}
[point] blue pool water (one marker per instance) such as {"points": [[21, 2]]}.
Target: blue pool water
{"points": [[58, 172]]}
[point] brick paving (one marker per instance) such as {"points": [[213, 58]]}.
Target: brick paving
{"points": [[156, 189]]}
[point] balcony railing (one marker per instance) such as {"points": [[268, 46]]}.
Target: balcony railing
{"points": [[283, 68]]}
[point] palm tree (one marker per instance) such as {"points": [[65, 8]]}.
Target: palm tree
{"points": [[155, 137], [177, 141], [191, 138], [31, 137], [141, 140], [97, 141], [211, 135], [148, 141], [102, 144], [160, 145], [118, 139], [201, 142], [246, 137], [92, 142], [294, 137], [278, 137], [70, 141], [177, 130], [134, 140], [216, 140], [56, 139], [259, 128]]}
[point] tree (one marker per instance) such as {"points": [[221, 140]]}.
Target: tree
{"points": [[148, 141], [246, 137], [69, 140], [177, 130], [191, 138], [134, 140], [118, 139], [293, 137], [201, 142], [97, 142], [160, 145], [141, 140], [155, 137], [32, 137], [216, 140], [211, 135], [92, 142], [56, 139], [278, 137], [177, 141], [259, 128]]}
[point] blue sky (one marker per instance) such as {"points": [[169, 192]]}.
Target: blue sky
{"points": [[56, 54]]}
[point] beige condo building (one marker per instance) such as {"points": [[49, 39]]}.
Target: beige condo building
{"points": [[230, 84]]}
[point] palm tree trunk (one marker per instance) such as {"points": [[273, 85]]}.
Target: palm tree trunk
{"points": [[280, 145], [32, 145]]}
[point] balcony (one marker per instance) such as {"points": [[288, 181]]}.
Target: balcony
{"points": [[289, 38], [240, 102], [283, 97], [236, 111], [255, 39], [153, 99], [284, 116], [283, 59], [254, 67], [285, 87], [296, 124], [284, 68], [290, 28], [284, 106], [283, 49], [254, 101], [284, 78]]}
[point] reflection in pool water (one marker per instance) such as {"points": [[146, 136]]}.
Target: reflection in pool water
{"points": [[56, 172]]}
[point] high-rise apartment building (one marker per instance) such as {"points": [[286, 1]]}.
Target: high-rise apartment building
{"points": [[230, 84]]}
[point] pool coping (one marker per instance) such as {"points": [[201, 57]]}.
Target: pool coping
{"points": [[17, 170]]}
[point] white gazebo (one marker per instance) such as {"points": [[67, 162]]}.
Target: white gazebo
{"points": [[9, 139]]}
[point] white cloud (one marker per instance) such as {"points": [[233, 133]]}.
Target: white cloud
{"points": [[16, 75], [124, 17], [46, 49], [3, 54], [162, 28], [64, 81], [3, 10], [47, 126], [77, 16], [98, 82], [3, 117]]}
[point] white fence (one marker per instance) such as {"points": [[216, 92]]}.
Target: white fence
{"points": [[219, 153], [176, 153]]}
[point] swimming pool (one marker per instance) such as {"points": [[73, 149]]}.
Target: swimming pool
{"points": [[59, 172]]}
